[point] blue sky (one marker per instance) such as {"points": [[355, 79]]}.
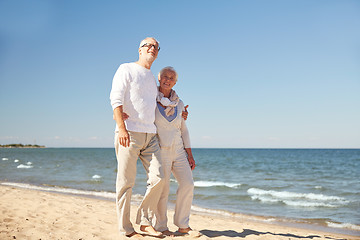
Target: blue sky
{"points": [[256, 74]]}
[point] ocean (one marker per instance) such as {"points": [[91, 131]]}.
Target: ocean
{"points": [[319, 187]]}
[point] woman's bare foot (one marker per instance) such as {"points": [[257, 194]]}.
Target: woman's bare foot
{"points": [[135, 235], [150, 230], [168, 233]]}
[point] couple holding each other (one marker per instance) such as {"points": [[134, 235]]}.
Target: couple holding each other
{"points": [[141, 109]]}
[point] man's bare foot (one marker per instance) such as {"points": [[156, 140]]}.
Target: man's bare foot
{"points": [[168, 233], [134, 235], [150, 230], [189, 231], [184, 230]]}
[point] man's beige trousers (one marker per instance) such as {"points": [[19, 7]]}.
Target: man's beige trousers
{"points": [[146, 147]]}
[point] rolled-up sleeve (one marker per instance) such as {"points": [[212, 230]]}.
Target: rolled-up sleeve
{"points": [[119, 86]]}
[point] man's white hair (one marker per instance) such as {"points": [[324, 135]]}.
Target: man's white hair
{"points": [[144, 41]]}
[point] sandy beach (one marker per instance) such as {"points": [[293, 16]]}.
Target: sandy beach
{"points": [[30, 214]]}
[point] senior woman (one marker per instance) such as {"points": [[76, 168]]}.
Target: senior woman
{"points": [[176, 155]]}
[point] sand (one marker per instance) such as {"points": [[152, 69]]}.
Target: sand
{"points": [[30, 214]]}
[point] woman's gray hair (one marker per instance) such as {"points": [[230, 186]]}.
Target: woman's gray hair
{"points": [[144, 41], [168, 68]]}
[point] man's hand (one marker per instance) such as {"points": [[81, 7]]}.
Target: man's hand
{"points": [[124, 138], [185, 113]]}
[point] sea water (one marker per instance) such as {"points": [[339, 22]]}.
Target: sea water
{"points": [[316, 186]]}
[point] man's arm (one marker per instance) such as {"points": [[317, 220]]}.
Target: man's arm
{"points": [[124, 138]]}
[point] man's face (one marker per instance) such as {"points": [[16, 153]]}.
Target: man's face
{"points": [[149, 50]]}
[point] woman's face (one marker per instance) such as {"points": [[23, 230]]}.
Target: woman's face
{"points": [[167, 80]]}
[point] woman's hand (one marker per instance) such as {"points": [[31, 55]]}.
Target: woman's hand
{"points": [[191, 162], [125, 116], [185, 113]]}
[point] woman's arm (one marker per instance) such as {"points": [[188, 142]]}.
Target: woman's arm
{"points": [[186, 140], [190, 158]]}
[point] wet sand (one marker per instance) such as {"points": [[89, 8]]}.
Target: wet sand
{"points": [[31, 214]]}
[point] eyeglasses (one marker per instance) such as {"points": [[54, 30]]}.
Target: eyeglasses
{"points": [[149, 45]]}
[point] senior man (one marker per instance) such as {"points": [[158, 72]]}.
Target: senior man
{"points": [[134, 92]]}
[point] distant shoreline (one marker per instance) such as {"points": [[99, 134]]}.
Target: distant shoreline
{"points": [[21, 146]]}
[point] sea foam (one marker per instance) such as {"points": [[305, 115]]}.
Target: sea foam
{"points": [[211, 211], [24, 166], [215, 184], [62, 190], [343, 225], [296, 199], [96, 178]]}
